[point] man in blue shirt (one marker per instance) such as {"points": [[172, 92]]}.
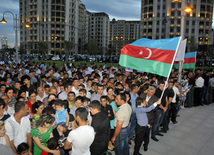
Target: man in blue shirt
{"points": [[134, 95]]}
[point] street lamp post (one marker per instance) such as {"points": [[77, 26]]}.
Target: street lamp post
{"points": [[15, 18], [183, 10]]}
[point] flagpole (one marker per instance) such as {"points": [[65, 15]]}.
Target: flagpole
{"points": [[171, 67]]}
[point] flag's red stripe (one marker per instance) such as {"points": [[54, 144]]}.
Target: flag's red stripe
{"points": [[165, 56], [187, 60]]}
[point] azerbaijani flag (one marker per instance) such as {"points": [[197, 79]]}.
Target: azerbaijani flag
{"points": [[189, 61], [153, 56]]}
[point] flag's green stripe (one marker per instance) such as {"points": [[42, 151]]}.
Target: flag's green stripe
{"points": [[144, 65], [185, 66], [189, 65]]}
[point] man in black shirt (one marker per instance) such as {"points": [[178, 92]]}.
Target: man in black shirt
{"points": [[159, 113], [206, 78], [190, 94], [101, 125], [165, 101]]}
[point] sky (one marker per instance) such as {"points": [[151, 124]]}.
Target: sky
{"points": [[118, 9]]}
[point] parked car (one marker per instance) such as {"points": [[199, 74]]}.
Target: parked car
{"points": [[56, 58]]}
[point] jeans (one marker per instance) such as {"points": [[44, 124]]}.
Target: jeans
{"points": [[165, 119], [178, 108], [157, 121], [132, 125], [121, 142]]}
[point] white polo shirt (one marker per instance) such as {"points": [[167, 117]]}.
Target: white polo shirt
{"points": [[17, 132]]}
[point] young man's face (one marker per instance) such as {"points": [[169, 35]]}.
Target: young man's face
{"points": [[103, 102], [26, 81], [10, 93], [71, 97]]}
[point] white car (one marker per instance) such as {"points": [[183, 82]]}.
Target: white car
{"points": [[55, 58]]}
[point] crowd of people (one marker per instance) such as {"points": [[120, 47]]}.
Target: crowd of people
{"points": [[83, 110]]}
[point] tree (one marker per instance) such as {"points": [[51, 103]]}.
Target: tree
{"points": [[42, 48], [68, 47], [93, 47], [210, 52], [22, 50]]}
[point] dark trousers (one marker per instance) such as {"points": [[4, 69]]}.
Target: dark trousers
{"points": [[211, 91], [198, 96], [165, 120], [146, 137], [157, 121], [172, 112], [99, 148], [190, 97], [140, 132]]}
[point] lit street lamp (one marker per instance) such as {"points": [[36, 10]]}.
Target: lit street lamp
{"points": [[16, 31]]}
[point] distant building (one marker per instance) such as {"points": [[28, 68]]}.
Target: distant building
{"points": [[51, 23], [99, 28], [123, 32], [162, 19]]}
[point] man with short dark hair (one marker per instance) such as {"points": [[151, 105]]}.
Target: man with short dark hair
{"points": [[81, 138], [121, 123], [78, 104], [101, 125], [134, 95], [97, 97], [63, 95], [18, 126]]}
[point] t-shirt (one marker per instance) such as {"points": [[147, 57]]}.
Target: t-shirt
{"points": [[123, 114], [167, 94], [101, 125], [114, 107], [81, 138]]}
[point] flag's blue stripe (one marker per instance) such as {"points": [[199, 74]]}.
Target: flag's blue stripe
{"points": [[165, 44], [190, 55]]}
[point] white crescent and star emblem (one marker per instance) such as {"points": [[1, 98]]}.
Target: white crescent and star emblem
{"points": [[150, 53]]}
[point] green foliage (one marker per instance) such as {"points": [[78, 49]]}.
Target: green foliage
{"points": [[68, 47]]}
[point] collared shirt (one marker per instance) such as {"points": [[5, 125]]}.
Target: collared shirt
{"points": [[133, 101], [199, 83], [38, 98], [18, 132], [141, 115], [123, 114]]}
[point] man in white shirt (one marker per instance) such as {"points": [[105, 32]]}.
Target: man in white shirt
{"points": [[75, 88], [18, 127], [172, 111], [63, 95], [81, 138], [199, 84]]}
